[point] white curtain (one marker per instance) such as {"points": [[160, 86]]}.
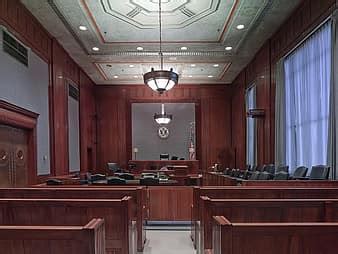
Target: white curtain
{"points": [[307, 100], [251, 136]]}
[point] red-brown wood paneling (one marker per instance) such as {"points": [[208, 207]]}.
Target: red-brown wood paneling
{"points": [[25, 26], [87, 124], [238, 121], [260, 71], [114, 123]]}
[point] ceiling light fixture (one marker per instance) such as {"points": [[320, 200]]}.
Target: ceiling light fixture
{"points": [[116, 76], [83, 28], [131, 66], [160, 80], [216, 65], [139, 48], [163, 117], [210, 76], [240, 27], [95, 49], [193, 65], [184, 48], [228, 48]]}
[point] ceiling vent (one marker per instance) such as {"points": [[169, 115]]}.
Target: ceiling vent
{"points": [[73, 91], [14, 48]]}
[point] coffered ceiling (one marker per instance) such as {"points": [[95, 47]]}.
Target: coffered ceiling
{"points": [[201, 38]]}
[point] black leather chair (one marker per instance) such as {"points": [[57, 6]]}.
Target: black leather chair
{"points": [[264, 176], [281, 175], [164, 156], [254, 175], [115, 181], [282, 168], [97, 177], [54, 182], [126, 176], [270, 169], [300, 173], [149, 181], [174, 158], [113, 167], [319, 172]]}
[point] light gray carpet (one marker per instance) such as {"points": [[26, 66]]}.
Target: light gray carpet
{"points": [[168, 242]]}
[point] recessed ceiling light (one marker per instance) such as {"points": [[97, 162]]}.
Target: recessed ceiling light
{"points": [[240, 27], [184, 48], [135, 76], [116, 76], [131, 66], [190, 76], [210, 76], [193, 65], [216, 65], [139, 48], [83, 28], [228, 48], [95, 49]]}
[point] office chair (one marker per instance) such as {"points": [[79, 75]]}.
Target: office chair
{"points": [[149, 181], [281, 175], [54, 182], [254, 175], [126, 176], [182, 159], [300, 173], [174, 158], [319, 172], [270, 169], [264, 176], [113, 167], [164, 156], [115, 181], [282, 168], [97, 177]]}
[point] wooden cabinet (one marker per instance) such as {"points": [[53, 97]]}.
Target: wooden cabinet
{"points": [[169, 203], [13, 156]]}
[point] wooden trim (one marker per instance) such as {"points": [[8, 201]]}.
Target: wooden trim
{"points": [[15, 116]]}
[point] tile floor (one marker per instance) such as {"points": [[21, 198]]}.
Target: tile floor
{"points": [[168, 242]]}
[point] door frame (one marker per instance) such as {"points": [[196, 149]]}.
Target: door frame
{"points": [[21, 118]]}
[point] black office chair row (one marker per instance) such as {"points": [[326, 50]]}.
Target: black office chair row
{"points": [[269, 172]]}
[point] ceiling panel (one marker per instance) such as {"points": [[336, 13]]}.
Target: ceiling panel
{"points": [[205, 28]]}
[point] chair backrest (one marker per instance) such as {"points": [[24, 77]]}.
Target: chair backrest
{"points": [[319, 172], [270, 169], [281, 175], [126, 176], [115, 181], [264, 176], [164, 156], [300, 172], [97, 177], [282, 168], [254, 175], [174, 158], [113, 166], [260, 168], [149, 181]]}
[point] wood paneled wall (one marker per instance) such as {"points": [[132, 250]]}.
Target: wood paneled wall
{"points": [[87, 123], [114, 120], [260, 71], [20, 22]]}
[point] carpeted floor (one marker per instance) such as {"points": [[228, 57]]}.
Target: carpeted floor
{"points": [[168, 242]]}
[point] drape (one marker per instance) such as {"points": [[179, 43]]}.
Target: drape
{"points": [[307, 100], [251, 133]]}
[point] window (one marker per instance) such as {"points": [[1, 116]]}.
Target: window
{"points": [[307, 99], [251, 127]]}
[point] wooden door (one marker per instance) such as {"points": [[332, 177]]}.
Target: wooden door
{"points": [[13, 156], [5, 156]]}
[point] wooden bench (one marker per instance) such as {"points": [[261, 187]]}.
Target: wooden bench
{"points": [[241, 192], [263, 210], [138, 201], [119, 230], [88, 239], [277, 238]]}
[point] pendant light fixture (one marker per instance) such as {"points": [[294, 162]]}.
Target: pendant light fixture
{"points": [[163, 117], [160, 80]]}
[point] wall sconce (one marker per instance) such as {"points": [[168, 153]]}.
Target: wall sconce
{"points": [[135, 150]]}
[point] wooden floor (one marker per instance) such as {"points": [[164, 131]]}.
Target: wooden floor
{"points": [[168, 242]]}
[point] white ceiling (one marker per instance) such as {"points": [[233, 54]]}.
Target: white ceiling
{"points": [[204, 27]]}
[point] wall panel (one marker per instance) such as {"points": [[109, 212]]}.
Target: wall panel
{"points": [[260, 71], [113, 123]]}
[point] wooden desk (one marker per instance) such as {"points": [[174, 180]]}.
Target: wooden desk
{"points": [[193, 166]]}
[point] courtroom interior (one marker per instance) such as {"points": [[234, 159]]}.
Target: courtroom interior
{"points": [[168, 126]]}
